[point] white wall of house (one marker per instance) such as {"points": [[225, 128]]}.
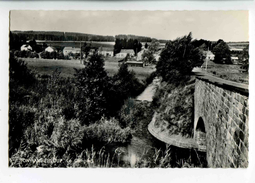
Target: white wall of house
{"points": [[121, 55], [49, 49], [26, 47], [107, 53]]}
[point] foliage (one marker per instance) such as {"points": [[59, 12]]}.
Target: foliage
{"points": [[154, 46], [59, 36], [106, 132], [135, 115], [92, 84], [127, 44], [245, 59], [124, 84], [222, 53], [178, 59]]}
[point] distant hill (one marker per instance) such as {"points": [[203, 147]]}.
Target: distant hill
{"points": [[73, 36], [60, 36]]}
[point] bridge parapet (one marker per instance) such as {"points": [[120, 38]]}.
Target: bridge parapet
{"points": [[223, 107]]}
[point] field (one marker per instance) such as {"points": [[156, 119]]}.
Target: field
{"points": [[61, 44], [228, 71], [47, 66]]}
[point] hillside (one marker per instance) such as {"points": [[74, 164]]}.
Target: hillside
{"points": [[174, 113]]}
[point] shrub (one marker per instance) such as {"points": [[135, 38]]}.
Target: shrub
{"points": [[107, 131]]}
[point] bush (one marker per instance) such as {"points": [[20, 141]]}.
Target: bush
{"points": [[106, 132]]}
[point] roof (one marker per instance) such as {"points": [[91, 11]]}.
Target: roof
{"points": [[26, 46], [208, 52], [106, 49], [234, 58], [51, 48], [127, 51], [134, 62], [236, 49]]}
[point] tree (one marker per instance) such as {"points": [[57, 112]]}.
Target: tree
{"points": [[124, 84], [86, 48], [148, 57], [146, 46], [154, 46], [245, 59], [92, 84], [222, 53], [178, 59]]}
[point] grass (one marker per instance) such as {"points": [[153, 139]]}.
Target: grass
{"points": [[61, 44], [48, 66], [228, 71]]}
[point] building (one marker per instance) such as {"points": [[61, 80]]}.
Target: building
{"points": [[135, 63], [235, 60], [106, 51], [25, 47], [209, 55], [123, 53], [73, 50], [92, 51], [50, 49]]}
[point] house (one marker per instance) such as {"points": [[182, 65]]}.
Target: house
{"points": [[106, 51], [92, 51], [73, 50], [25, 47], [50, 49], [135, 63], [123, 53], [209, 55], [234, 60]]}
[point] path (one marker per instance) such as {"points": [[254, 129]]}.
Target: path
{"points": [[149, 92]]}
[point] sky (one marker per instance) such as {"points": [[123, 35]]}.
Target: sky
{"points": [[211, 25]]}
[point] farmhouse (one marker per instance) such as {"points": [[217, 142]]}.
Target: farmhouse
{"points": [[234, 60], [106, 51], [73, 50], [25, 47], [50, 49], [123, 53], [209, 55], [135, 63]]}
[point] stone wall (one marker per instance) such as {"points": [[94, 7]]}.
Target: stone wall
{"points": [[224, 109]]}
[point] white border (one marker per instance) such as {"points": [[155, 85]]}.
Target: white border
{"points": [[117, 175]]}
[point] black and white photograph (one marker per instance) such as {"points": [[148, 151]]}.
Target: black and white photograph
{"points": [[129, 91], [139, 89]]}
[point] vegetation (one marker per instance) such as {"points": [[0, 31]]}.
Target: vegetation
{"points": [[89, 120], [58, 36], [148, 56], [127, 44], [178, 59], [245, 59], [221, 52]]}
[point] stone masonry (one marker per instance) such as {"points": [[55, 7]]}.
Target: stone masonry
{"points": [[224, 109]]}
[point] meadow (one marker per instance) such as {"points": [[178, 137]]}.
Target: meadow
{"points": [[228, 71], [66, 67]]}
